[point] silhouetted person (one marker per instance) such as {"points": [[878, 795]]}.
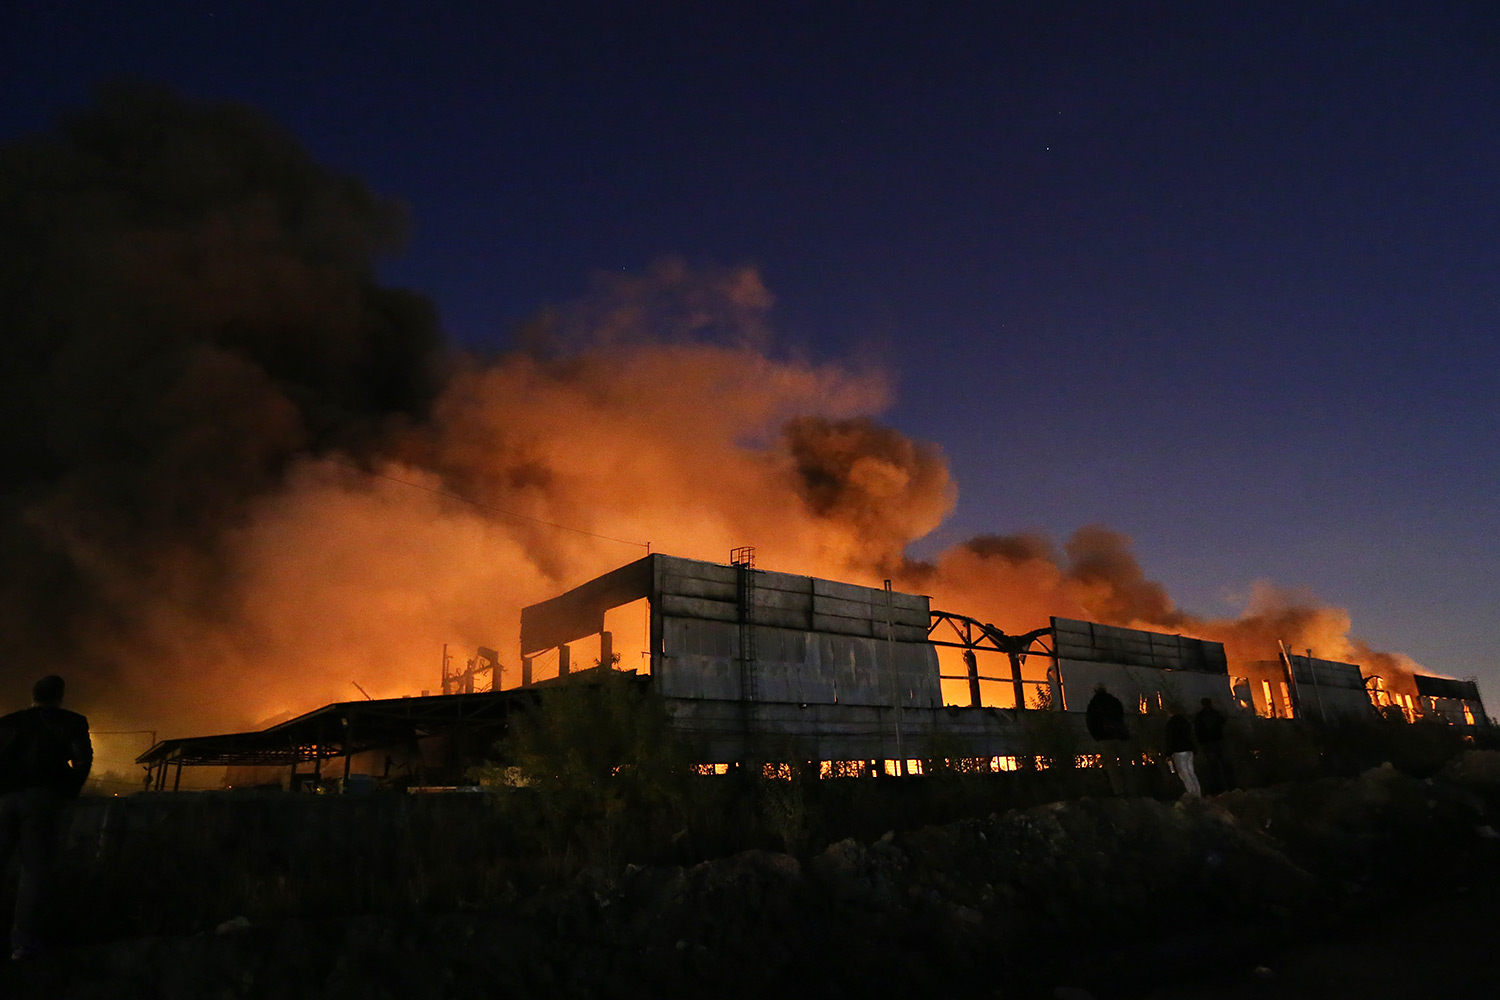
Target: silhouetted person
{"points": [[1106, 721], [45, 756], [1179, 739], [1209, 725]]}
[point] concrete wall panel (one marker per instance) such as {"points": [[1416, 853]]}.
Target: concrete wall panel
{"points": [[786, 582], [702, 659], [694, 586], [1132, 683], [678, 606], [781, 617], [1093, 642]]}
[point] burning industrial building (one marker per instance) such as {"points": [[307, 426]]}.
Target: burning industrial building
{"points": [[756, 667], [242, 473]]}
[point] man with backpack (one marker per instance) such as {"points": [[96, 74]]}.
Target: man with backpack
{"points": [[45, 756]]}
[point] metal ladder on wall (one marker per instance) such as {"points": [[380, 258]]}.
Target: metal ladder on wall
{"points": [[743, 559]]}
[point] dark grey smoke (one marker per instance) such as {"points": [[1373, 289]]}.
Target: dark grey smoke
{"points": [[882, 485], [187, 302]]}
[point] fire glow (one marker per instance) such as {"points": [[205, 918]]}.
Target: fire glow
{"points": [[237, 491]]}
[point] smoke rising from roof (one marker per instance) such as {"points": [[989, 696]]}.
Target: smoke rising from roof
{"points": [[228, 446]]}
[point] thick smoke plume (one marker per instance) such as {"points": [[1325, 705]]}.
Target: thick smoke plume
{"points": [[233, 456], [188, 308], [1020, 580]]}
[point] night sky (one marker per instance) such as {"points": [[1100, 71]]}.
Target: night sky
{"points": [[1220, 276]]}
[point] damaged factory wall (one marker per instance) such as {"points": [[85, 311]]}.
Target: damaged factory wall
{"points": [[1327, 690], [762, 664], [758, 664], [809, 641], [789, 639], [1145, 670], [1455, 701]]}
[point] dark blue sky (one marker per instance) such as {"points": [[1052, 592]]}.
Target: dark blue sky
{"points": [[1222, 276]]}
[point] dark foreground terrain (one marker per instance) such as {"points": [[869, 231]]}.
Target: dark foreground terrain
{"points": [[1439, 947], [1381, 885]]}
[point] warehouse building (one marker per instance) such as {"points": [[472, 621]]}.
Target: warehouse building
{"points": [[758, 666]]}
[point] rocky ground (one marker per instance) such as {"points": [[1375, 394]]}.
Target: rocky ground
{"points": [[1383, 885]]}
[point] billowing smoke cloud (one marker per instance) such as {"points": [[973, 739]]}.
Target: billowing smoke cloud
{"points": [[235, 460], [1018, 581], [188, 306], [1022, 580]]}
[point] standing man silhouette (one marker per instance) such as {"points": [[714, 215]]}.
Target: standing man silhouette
{"points": [[1105, 718], [1209, 725], [45, 756]]}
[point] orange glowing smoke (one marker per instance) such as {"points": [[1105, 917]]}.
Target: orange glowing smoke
{"points": [[1021, 580], [228, 501], [693, 447]]}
